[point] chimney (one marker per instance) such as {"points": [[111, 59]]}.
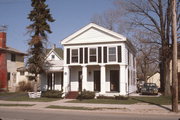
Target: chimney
{"points": [[2, 40], [3, 63], [53, 46]]}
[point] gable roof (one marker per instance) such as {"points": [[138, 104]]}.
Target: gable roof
{"points": [[58, 52], [97, 28]]}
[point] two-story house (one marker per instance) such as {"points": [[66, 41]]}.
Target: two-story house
{"points": [[10, 60], [100, 60], [52, 78]]}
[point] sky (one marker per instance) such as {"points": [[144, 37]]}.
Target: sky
{"points": [[70, 16]]}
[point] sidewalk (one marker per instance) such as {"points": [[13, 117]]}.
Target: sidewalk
{"points": [[112, 108]]}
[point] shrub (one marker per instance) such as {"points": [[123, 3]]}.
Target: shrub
{"points": [[86, 95], [105, 97], [52, 94], [25, 86], [121, 97]]}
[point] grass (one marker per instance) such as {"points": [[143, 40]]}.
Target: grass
{"points": [[162, 100], [132, 100], [10, 105], [79, 108], [21, 96]]}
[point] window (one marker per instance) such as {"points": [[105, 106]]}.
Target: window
{"points": [[21, 73], [13, 57], [8, 76], [112, 54], [52, 57], [92, 55], [74, 56]]}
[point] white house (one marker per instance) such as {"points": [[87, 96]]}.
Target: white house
{"points": [[52, 78], [100, 60]]}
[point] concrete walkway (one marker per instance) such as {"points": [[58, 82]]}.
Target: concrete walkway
{"points": [[140, 108]]}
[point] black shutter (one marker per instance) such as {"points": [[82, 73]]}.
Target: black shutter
{"points": [[86, 55], [81, 55], [99, 55], [105, 54], [119, 54], [68, 56]]}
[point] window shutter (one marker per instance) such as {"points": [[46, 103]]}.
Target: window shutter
{"points": [[105, 54], [99, 55], [68, 56], [86, 55], [81, 55], [119, 54]]}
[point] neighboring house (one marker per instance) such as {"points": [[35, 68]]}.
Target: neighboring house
{"points": [[52, 78], [100, 60], [11, 59], [155, 78]]}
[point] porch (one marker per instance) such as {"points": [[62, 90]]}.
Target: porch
{"points": [[102, 79]]}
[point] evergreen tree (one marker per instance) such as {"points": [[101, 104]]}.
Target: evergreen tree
{"points": [[39, 16]]}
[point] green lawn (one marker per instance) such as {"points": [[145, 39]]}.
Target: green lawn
{"points": [[132, 100], [10, 105], [21, 96]]}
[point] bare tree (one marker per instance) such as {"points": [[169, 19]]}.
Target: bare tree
{"points": [[147, 56], [155, 16]]}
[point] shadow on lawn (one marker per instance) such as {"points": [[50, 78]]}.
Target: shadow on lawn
{"points": [[152, 104]]}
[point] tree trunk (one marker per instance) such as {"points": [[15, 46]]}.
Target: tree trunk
{"points": [[35, 85], [167, 89], [161, 66]]}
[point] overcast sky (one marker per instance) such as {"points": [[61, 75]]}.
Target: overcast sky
{"points": [[70, 16]]}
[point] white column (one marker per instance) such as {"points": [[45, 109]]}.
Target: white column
{"points": [[103, 79], [66, 82], [122, 81], [53, 86], [84, 77]]}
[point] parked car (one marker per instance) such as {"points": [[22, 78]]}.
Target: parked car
{"points": [[149, 89]]}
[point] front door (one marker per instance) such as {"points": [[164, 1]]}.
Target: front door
{"points": [[80, 80], [114, 80], [97, 80], [49, 81]]}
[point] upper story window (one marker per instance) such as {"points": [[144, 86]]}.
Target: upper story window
{"points": [[112, 54], [74, 56], [92, 55], [21, 73], [52, 57], [13, 57]]}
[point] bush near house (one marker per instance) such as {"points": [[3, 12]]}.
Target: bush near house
{"points": [[52, 94], [86, 95], [25, 86]]}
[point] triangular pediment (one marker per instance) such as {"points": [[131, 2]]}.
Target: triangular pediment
{"points": [[93, 33]]}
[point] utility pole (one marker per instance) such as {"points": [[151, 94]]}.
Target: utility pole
{"points": [[174, 59]]}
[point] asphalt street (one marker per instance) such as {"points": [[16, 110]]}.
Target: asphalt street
{"points": [[20, 114]]}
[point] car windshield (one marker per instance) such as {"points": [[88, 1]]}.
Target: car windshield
{"points": [[150, 85]]}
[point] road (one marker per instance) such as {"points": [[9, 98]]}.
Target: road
{"points": [[20, 114]]}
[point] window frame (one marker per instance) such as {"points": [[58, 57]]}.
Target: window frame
{"points": [[71, 55], [89, 58], [112, 54], [52, 57]]}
